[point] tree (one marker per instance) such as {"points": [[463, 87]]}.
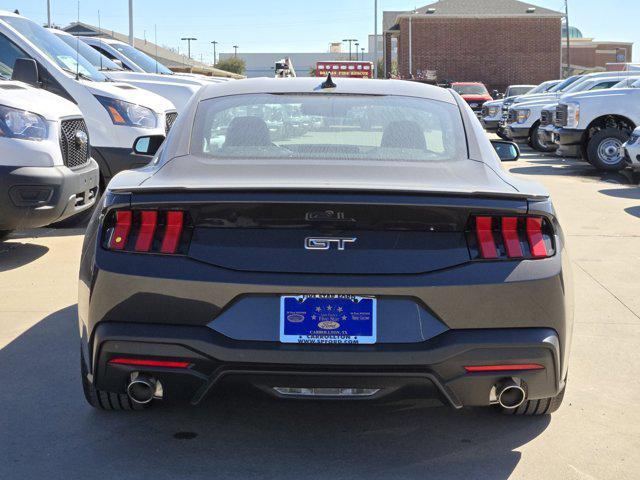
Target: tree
{"points": [[233, 65]]}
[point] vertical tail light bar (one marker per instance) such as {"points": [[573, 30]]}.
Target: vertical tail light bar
{"points": [[149, 231], [536, 241], [148, 222], [526, 237], [171, 240], [484, 232], [511, 237], [121, 230]]}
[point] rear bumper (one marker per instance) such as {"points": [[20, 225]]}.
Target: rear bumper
{"points": [[434, 368], [37, 196], [569, 142]]}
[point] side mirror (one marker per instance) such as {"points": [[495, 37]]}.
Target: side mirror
{"points": [[25, 70], [148, 145], [507, 151]]}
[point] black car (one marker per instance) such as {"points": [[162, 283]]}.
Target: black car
{"points": [[341, 263]]}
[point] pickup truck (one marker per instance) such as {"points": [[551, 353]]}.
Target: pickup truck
{"points": [[595, 125], [492, 110], [524, 118], [474, 93]]}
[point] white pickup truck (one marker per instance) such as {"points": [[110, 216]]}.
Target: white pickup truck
{"points": [[492, 110], [595, 125], [46, 170], [524, 116]]}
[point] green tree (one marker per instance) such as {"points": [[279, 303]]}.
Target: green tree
{"points": [[233, 65]]}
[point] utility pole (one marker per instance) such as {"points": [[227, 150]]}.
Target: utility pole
{"points": [[131, 23], [189, 40], [49, 13], [375, 35], [411, 43], [362, 49], [350, 40], [235, 50], [357, 51], [214, 51], [566, 11]]}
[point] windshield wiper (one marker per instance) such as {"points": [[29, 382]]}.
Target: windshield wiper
{"points": [[78, 74]]}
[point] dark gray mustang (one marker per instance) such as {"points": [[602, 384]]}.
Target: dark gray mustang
{"points": [[345, 239]]}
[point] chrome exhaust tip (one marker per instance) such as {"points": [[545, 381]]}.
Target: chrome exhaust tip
{"points": [[510, 393], [142, 389]]}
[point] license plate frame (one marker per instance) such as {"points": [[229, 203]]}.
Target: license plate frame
{"points": [[328, 319]]}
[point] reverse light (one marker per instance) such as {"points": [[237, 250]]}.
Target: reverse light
{"points": [[504, 368], [128, 114], [147, 231], [140, 362], [513, 237]]}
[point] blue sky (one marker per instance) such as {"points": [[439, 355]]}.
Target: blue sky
{"points": [[291, 25]]}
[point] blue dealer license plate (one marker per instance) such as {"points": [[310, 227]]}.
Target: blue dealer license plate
{"points": [[327, 319]]}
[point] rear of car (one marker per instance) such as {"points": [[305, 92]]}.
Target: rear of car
{"points": [[339, 262]]}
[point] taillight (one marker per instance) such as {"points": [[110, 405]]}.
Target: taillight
{"points": [[510, 237], [150, 231]]}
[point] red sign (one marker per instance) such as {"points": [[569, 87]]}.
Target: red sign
{"points": [[345, 69]]}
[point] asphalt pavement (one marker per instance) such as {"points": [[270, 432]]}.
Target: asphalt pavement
{"points": [[48, 431]]}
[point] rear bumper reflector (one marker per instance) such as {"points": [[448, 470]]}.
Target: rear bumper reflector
{"points": [[503, 368], [139, 362]]}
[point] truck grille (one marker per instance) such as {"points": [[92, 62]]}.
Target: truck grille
{"points": [[561, 115], [74, 142], [170, 119]]}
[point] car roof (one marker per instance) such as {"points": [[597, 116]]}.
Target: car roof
{"points": [[353, 86], [467, 83]]}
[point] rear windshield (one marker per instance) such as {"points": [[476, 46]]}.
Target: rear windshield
{"points": [[328, 126], [470, 89]]}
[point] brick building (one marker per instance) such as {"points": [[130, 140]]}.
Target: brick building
{"points": [[498, 42], [587, 54]]}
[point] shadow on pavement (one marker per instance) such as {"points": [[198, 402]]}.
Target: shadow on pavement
{"points": [[14, 255], [48, 430]]}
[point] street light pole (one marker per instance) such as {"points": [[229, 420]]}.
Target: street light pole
{"points": [[235, 50], [375, 36], [214, 51], [131, 23], [189, 40], [363, 55], [350, 40], [566, 11], [357, 52], [49, 13]]}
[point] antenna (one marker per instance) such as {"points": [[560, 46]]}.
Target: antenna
{"points": [[100, 30], [78, 47], [155, 40]]}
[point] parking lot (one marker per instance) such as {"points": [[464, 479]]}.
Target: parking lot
{"points": [[46, 426]]}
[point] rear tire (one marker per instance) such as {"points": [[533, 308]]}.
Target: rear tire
{"points": [[105, 400], [543, 406], [604, 150]]}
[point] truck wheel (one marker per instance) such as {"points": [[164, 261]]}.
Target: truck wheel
{"points": [[105, 400], [542, 406], [4, 234], [604, 150], [541, 146]]}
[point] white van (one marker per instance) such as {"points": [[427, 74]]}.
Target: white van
{"points": [[116, 113], [46, 170], [178, 90], [133, 59]]}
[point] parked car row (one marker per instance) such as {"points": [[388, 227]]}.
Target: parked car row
{"points": [[71, 118], [587, 116]]}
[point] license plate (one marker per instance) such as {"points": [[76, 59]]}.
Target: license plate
{"points": [[327, 319]]}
